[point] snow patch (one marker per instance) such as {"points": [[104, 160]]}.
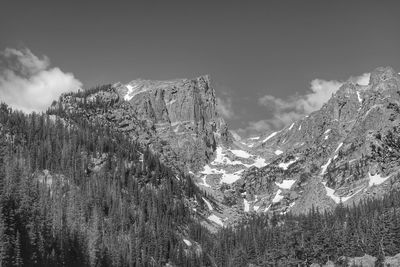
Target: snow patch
{"points": [[246, 205], [187, 242], [208, 170], [210, 207], [291, 126], [226, 177], [331, 193], [267, 208], [286, 184], [127, 97], [204, 179], [300, 127], [359, 97], [278, 152], [259, 163], [325, 166], [241, 153], [339, 146], [222, 159], [376, 179], [278, 197], [269, 137], [254, 138], [170, 102], [134, 88], [288, 208], [230, 178], [216, 219], [285, 165]]}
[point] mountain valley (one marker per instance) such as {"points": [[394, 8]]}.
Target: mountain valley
{"points": [[129, 160]]}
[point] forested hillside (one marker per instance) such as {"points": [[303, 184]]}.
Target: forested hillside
{"points": [[79, 193], [82, 195], [372, 227]]}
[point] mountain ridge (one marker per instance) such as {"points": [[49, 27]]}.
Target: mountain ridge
{"points": [[107, 179], [319, 160], [325, 136]]}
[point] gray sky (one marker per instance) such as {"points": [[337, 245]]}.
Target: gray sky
{"points": [[261, 55]]}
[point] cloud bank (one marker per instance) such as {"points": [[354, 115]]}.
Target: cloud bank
{"points": [[295, 107], [224, 107], [28, 83]]}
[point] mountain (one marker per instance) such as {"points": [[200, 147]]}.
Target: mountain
{"points": [[345, 152], [79, 194], [148, 174], [177, 119]]}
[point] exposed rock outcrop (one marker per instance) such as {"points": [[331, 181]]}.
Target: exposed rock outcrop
{"points": [[348, 150], [177, 118]]}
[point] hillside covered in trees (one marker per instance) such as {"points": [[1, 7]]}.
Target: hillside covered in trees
{"points": [[79, 194]]}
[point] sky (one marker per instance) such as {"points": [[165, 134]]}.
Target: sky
{"points": [[271, 62]]}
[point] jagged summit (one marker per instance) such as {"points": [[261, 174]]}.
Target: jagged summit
{"points": [[177, 118], [345, 151], [384, 75], [173, 101], [137, 86]]}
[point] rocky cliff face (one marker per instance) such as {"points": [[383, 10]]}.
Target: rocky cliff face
{"points": [[182, 112], [173, 102], [346, 151], [177, 118]]}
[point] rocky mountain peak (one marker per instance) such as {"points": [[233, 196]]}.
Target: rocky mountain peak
{"points": [[382, 76], [183, 104], [344, 152], [337, 152], [177, 118]]}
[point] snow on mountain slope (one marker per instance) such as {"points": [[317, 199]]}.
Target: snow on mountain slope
{"points": [[326, 156], [216, 219], [269, 137], [334, 148], [128, 96], [228, 166], [376, 179], [285, 184], [285, 165]]}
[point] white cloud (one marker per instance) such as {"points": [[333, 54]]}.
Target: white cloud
{"points": [[28, 83], [363, 79], [224, 107], [295, 107]]}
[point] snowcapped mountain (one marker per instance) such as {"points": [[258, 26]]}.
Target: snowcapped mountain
{"points": [[344, 152]]}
